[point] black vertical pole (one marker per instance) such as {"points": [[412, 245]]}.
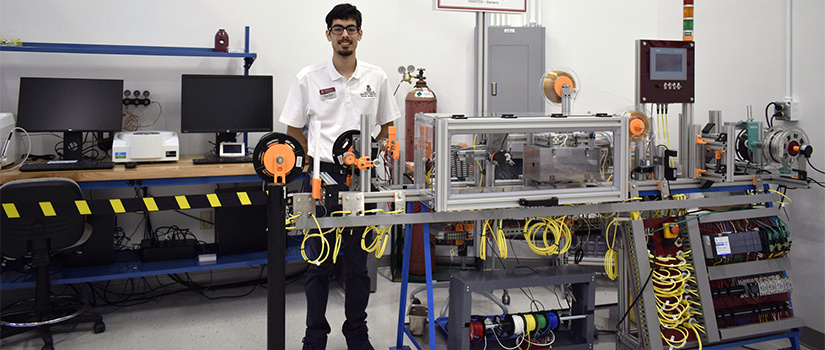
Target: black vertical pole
{"points": [[276, 268]]}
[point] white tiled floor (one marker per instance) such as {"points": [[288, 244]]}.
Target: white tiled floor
{"points": [[189, 321]]}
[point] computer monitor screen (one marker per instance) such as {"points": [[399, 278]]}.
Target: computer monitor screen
{"points": [[71, 106], [226, 104], [58, 104], [667, 63]]}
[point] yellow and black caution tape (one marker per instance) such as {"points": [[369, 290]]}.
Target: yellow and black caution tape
{"points": [[132, 205]]}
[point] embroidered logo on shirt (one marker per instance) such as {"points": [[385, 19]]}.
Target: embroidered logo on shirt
{"points": [[368, 93], [327, 94]]}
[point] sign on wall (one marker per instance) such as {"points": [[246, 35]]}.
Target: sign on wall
{"points": [[481, 5]]}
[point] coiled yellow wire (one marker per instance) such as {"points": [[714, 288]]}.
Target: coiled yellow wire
{"points": [[325, 248], [553, 225], [674, 307], [382, 236]]}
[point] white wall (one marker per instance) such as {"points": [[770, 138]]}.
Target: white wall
{"points": [[740, 62], [808, 212]]}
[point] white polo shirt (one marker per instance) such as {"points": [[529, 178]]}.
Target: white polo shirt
{"points": [[320, 94]]}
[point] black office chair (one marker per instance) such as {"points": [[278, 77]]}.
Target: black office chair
{"points": [[36, 236]]}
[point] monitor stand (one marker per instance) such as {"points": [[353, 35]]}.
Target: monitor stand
{"points": [[215, 158], [72, 145], [224, 137]]}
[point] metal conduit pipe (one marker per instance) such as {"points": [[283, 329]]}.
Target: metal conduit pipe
{"points": [[445, 284], [485, 293]]}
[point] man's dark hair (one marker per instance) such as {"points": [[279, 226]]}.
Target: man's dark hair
{"points": [[344, 11]]}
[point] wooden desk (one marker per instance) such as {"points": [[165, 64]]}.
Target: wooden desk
{"points": [[182, 172]]}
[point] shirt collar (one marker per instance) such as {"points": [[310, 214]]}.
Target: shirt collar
{"points": [[334, 75]]}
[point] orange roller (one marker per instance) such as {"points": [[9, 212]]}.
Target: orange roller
{"points": [[279, 160], [349, 158]]}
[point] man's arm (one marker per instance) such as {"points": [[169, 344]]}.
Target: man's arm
{"points": [[298, 134], [385, 131]]}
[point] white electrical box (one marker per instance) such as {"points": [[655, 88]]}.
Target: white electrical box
{"points": [[145, 146], [8, 142]]}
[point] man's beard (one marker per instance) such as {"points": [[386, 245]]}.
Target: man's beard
{"points": [[345, 52]]}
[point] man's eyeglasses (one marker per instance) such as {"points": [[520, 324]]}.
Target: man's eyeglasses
{"points": [[338, 29]]}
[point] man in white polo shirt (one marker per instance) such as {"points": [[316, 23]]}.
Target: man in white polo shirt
{"points": [[335, 94]]}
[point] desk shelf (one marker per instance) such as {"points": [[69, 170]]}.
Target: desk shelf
{"points": [[249, 57], [128, 265]]}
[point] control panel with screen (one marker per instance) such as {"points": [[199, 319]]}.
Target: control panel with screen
{"points": [[664, 71]]}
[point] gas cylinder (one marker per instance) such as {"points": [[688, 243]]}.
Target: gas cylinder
{"points": [[419, 100]]}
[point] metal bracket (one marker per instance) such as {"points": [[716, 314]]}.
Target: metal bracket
{"points": [[303, 204], [330, 189], [353, 202], [400, 198], [759, 183], [634, 189], [248, 63], [664, 188]]}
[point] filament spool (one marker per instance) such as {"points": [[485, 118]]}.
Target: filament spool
{"points": [[553, 81], [639, 125], [278, 158]]}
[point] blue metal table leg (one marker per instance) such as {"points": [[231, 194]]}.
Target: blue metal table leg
{"points": [[407, 332], [428, 269], [795, 339], [405, 274]]}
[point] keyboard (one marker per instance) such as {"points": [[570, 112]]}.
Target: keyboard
{"points": [[213, 159], [58, 165]]}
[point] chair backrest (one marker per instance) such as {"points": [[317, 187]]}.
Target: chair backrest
{"points": [[19, 236]]}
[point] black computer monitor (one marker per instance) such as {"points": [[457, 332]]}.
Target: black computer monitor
{"points": [[70, 106], [226, 105]]}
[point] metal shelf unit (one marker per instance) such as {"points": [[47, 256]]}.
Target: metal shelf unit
{"points": [[644, 332], [581, 281]]}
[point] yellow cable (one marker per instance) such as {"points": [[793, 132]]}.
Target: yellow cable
{"points": [[337, 246], [556, 226], [480, 173], [482, 249], [501, 241], [676, 344], [385, 238], [667, 131], [659, 134], [611, 259], [325, 248], [784, 196]]}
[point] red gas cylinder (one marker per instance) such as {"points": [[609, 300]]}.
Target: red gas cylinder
{"points": [[419, 100]]}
